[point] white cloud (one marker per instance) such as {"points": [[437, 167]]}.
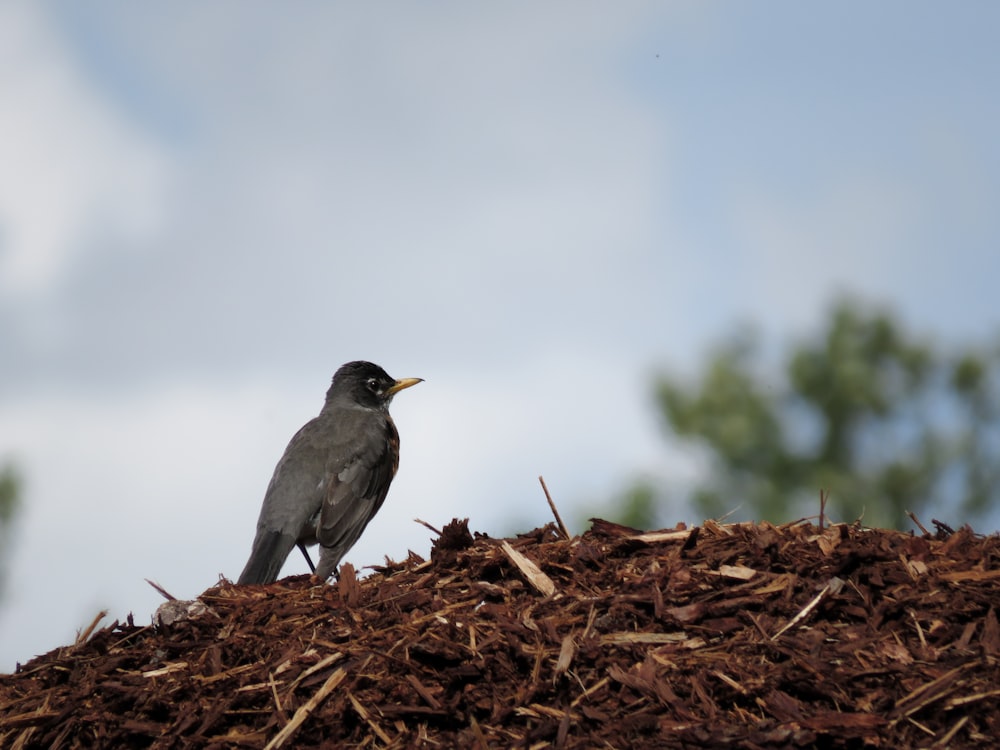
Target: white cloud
{"points": [[75, 174]]}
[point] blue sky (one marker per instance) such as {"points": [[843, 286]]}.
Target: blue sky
{"points": [[205, 209]]}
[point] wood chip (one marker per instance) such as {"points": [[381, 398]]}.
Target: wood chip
{"points": [[529, 570], [727, 635]]}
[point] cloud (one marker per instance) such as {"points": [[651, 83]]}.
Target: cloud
{"points": [[487, 193], [75, 175]]}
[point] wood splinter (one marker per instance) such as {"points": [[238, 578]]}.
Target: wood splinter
{"points": [[529, 570], [307, 708], [552, 505]]}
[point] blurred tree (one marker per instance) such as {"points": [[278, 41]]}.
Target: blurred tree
{"points": [[883, 422], [10, 484]]}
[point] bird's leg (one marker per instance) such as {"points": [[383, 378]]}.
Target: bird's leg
{"points": [[316, 580], [305, 554]]}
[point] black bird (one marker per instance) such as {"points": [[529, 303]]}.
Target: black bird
{"points": [[333, 476]]}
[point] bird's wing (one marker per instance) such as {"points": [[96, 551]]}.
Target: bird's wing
{"points": [[356, 491], [293, 497], [297, 486]]}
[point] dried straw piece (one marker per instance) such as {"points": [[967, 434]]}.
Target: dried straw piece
{"points": [[307, 708]]}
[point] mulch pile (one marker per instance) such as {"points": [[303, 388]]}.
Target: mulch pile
{"points": [[744, 636]]}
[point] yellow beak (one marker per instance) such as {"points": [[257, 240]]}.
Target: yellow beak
{"points": [[403, 383]]}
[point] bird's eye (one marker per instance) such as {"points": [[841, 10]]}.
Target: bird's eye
{"points": [[372, 385]]}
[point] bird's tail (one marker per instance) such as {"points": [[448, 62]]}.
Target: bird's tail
{"points": [[270, 550]]}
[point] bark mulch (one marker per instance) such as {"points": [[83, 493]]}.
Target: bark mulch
{"points": [[737, 635]]}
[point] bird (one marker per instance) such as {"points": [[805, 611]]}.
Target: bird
{"points": [[332, 478]]}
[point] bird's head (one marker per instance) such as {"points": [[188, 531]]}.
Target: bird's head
{"points": [[366, 384]]}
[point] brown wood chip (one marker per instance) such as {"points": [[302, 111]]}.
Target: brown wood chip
{"points": [[727, 635]]}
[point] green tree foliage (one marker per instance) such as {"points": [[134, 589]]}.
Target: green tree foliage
{"points": [[883, 422], [10, 484]]}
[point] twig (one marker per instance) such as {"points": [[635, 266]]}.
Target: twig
{"points": [[760, 628], [945, 739], [920, 630], [730, 681], [928, 693], [162, 591], [427, 525], [913, 517], [822, 508], [552, 505], [942, 527], [363, 713], [177, 666], [277, 699], [422, 690], [834, 584], [966, 699], [307, 708], [590, 691], [82, 637], [724, 516], [322, 663]]}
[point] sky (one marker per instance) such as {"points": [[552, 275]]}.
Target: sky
{"points": [[205, 209]]}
